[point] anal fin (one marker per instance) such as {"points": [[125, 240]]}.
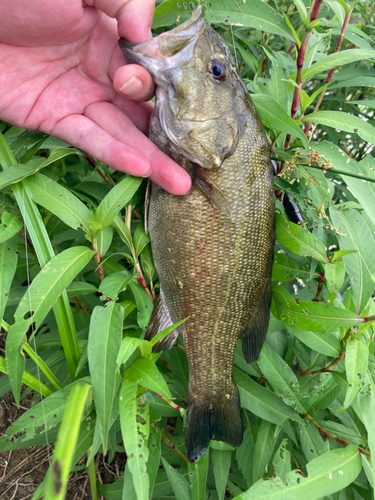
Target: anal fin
{"points": [[252, 338], [159, 321]]}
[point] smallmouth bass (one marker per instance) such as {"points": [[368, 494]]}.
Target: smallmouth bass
{"points": [[212, 247]]}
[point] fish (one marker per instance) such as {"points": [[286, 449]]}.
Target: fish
{"points": [[213, 247]]}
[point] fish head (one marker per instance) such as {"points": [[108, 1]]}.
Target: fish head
{"points": [[198, 94]]}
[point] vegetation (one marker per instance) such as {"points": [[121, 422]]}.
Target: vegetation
{"points": [[73, 229]]}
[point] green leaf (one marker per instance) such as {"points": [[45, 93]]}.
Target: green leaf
{"points": [[61, 202], [365, 407], [32, 424], [38, 300], [80, 288], [11, 226], [8, 265], [341, 161], [276, 118], [263, 449], [165, 332], [245, 455], [102, 349], [221, 460], [356, 360], [281, 378], [170, 12], [115, 283], [134, 420], [140, 239], [262, 402], [128, 346], [144, 304], [360, 265], [58, 473], [340, 253], [337, 9], [17, 173], [301, 10], [334, 278], [116, 199], [325, 343], [314, 316], [337, 59], [281, 460], [180, 485], [248, 57], [343, 121], [299, 240], [154, 448], [326, 474], [145, 372], [257, 15], [198, 477]]}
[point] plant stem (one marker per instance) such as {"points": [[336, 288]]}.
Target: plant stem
{"points": [[300, 61], [331, 71], [326, 369], [328, 435], [92, 476], [42, 366], [97, 258], [172, 446], [171, 403]]}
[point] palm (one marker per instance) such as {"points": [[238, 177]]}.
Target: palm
{"points": [[62, 84]]}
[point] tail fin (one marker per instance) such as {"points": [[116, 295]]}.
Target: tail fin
{"points": [[220, 420]]}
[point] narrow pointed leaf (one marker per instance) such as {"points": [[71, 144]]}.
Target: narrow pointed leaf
{"points": [[314, 316], [299, 240], [356, 361], [116, 199], [61, 202], [198, 477], [38, 300], [262, 402], [62, 461], [8, 265], [276, 118], [180, 485], [103, 346], [134, 420], [145, 372], [326, 474]]}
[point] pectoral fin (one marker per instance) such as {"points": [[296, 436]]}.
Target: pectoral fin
{"points": [[160, 320], [252, 338], [211, 190]]}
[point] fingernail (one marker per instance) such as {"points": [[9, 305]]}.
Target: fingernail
{"points": [[132, 86], [148, 174]]}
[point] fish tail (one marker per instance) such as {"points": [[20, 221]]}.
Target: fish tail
{"points": [[219, 419]]}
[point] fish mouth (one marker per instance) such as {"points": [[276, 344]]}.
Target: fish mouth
{"points": [[168, 50]]}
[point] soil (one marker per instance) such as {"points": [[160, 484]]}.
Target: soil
{"points": [[21, 471]]}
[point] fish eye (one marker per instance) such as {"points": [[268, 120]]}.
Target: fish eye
{"points": [[218, 69]]}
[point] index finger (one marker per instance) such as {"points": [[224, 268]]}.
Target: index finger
{"points": [[134, 17]]}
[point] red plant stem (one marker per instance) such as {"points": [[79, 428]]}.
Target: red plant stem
{"points": [[320, 287], [171, 445], [328, 435], [331, 71], [171, 403], [315, 10], [326, 369], [300, 61]]}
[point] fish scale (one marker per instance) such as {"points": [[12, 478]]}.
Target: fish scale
{"points": [[212, 247]]}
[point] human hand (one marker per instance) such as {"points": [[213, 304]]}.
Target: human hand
{"points": [[61, 72]]}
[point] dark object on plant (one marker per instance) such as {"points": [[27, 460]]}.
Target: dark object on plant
{"points": [[212, 247]]}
